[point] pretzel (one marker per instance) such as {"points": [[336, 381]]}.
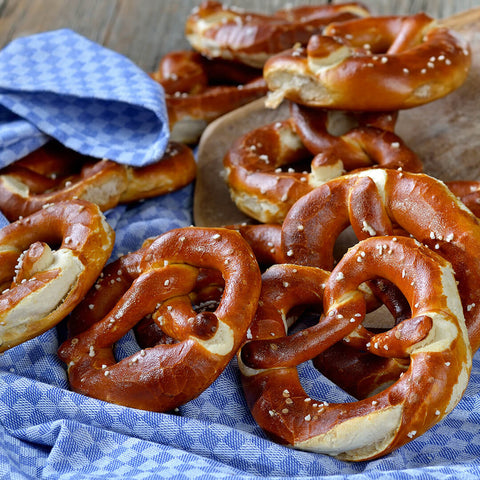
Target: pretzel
{"points": [[54, 173], [385, 202], [251, 38], [167, 375], [49, 260], [264, 166], [198, 90], [434, 339], [372, 63]]}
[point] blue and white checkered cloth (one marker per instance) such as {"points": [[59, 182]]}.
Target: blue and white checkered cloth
{"points": [[47, 431]]}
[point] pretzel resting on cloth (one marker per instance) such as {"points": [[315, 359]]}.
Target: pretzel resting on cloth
{"points": [[434, 339], [372, 63], [166, 375], [217, 31], [48, 262], [54, 173], [269, 168]]}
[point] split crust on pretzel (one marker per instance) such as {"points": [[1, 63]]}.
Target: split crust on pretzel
{"points": [[434, 338], [251, 38], [269, 168], [386, 202], [373, 63], [41, 282], [48, 175], [199, 90], [164, 376]]}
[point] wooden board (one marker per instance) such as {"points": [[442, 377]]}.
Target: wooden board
{"points": [[445, 134]]}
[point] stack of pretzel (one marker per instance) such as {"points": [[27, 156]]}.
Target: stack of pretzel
{"points": [[196, 297], [337, 162]]}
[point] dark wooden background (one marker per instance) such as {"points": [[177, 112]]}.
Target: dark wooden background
{"points": [[144, 30]]}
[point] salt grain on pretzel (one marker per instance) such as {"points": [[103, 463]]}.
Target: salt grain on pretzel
{"points": [[54, 173], [373, 63], [167, 375], [232, 33], [434, 339], [49, 261]]}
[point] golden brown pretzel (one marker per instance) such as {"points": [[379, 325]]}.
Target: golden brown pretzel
{"points": [[269, 168], [49, 260], [198, 90], [167, 375], [54, 173], [215, 30], [373, 63], [386, 201], [434, 339]]}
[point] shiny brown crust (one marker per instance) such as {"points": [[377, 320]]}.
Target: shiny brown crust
{"points": [[35, 295], [199, 90], [468, 191], [216, 30], [370, 141], [54, 173], [385, 201], [440, 358], [269, 168], [265, 240], [167, 375], [373, 63]]}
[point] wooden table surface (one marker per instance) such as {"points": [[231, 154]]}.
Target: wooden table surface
{"points": [[144, 30]]}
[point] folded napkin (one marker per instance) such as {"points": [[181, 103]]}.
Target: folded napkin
{"points": [[47, 431], [91, 99]]}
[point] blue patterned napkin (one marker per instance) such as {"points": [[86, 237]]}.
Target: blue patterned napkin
{"points": [[47, 431], [91, 99]]}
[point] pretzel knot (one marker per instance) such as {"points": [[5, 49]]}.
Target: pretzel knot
{"points": [[54, 173], [200, 344], [372, 63], [251, 38], [434, 339], [48, 261], [269, 168]]}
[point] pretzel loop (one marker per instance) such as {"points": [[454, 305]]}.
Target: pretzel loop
{"points": [[371, 64], [313, 224], [168, 374], [54, 173], [49, 260], [435, 340]]}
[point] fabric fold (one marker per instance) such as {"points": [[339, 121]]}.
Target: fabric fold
{"points": [[90, 98]]}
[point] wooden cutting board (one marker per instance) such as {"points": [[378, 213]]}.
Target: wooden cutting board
{"points": [[445, 134]]}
